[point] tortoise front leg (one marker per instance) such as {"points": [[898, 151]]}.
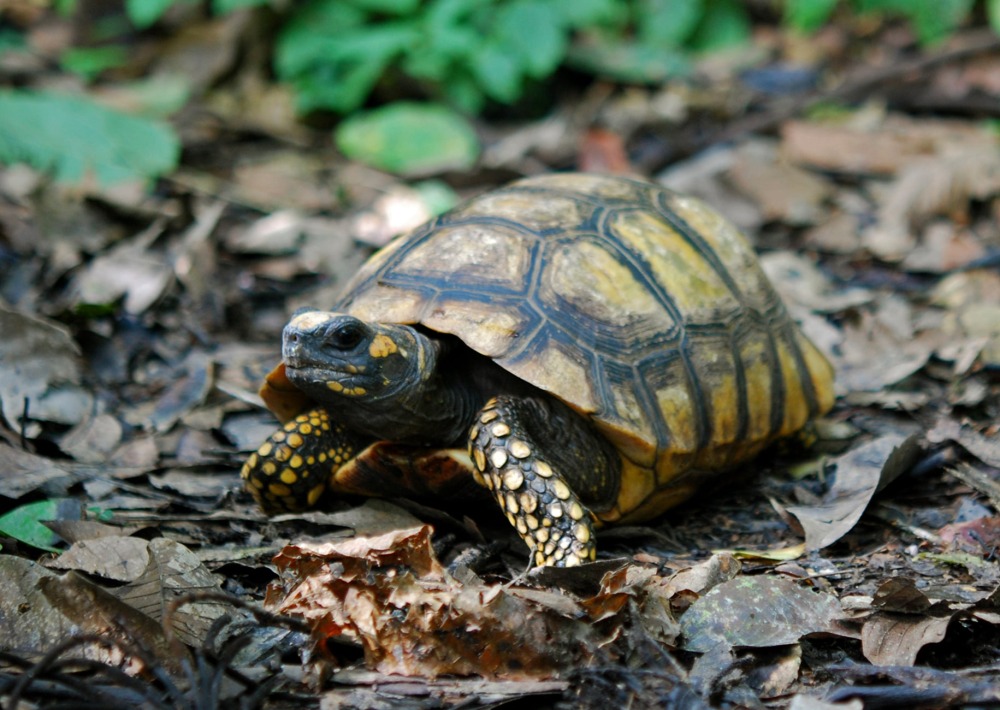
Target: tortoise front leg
{"points": [[294, 468], [546, 467]]}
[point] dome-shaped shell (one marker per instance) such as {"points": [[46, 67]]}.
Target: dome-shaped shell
{"points": [[642, 308]]}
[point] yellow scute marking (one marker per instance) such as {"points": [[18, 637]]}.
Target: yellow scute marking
{"points": [[382, 346], [731, 246], [796, 407], [821, 373], [678, 412], [556, 371], [586, 275], [754, 353], [695, 287], [725, 405]]}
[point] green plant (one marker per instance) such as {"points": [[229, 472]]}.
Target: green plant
{"points": [[335, 51], [73, 137], [932, 20], [469, 51]]}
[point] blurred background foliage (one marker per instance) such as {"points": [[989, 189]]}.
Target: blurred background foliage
{"points": [[442, 60]]}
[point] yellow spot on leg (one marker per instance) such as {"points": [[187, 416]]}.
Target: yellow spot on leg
{"points": [[512, 479], [520, 449]]}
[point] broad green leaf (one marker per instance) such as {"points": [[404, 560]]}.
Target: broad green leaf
{"points": [[88, 62], [723, 25], [410, 139], [223, 6], [390, 7], [589, 13], [934, 20], [25, 522], [497, 73], [531, 33], [993, 14], [667, 23], [11, 40], [72, 136], [464, 93], [808, 15], [144, 13]]}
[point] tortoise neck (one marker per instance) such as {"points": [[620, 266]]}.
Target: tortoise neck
{"points": [[431, 404]]}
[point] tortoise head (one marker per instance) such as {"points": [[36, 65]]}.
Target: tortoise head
{"points": [[335, 357]]}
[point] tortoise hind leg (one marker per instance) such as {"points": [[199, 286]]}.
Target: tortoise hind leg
{"points": [[546, 467], [293, 469]]}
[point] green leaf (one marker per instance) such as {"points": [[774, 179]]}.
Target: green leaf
{"points": [[993, 14], [934, 20], [464, 93], [588, 13], [72, 136], [143, 13], [497, 73], [531, 33], [221, 7], [389, 7], [667, 23], [338, 72], [409, 139], [725, 24], [11, 40], [88, 62], [808, 15], [25, 522]]}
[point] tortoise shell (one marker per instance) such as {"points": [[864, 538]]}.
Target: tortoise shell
{"points": [[642, 309]]}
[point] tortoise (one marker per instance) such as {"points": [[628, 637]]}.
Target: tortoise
{"points": [[601, 345]]}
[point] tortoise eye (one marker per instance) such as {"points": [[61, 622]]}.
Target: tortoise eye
{"points": [[346, 335]]}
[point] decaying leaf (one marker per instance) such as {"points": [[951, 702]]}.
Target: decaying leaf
{"points": [[22, 472], [758, 612], [938, 186], [122, 559], [860, 473], [40, 370], [895, 142], [39, 609], [785, 192], [896, 634], [391, 595], [173, 571]]}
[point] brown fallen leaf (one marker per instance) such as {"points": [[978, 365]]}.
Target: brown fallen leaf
{"points": [[885, 148], [860, 473], [39, 609], [40, 369], [901, 595], [122, 559], [891, 639], [22, 472], [172, 571], [94, 439], [980, 536], [943, 185], [390, 594], [784, 191]]}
